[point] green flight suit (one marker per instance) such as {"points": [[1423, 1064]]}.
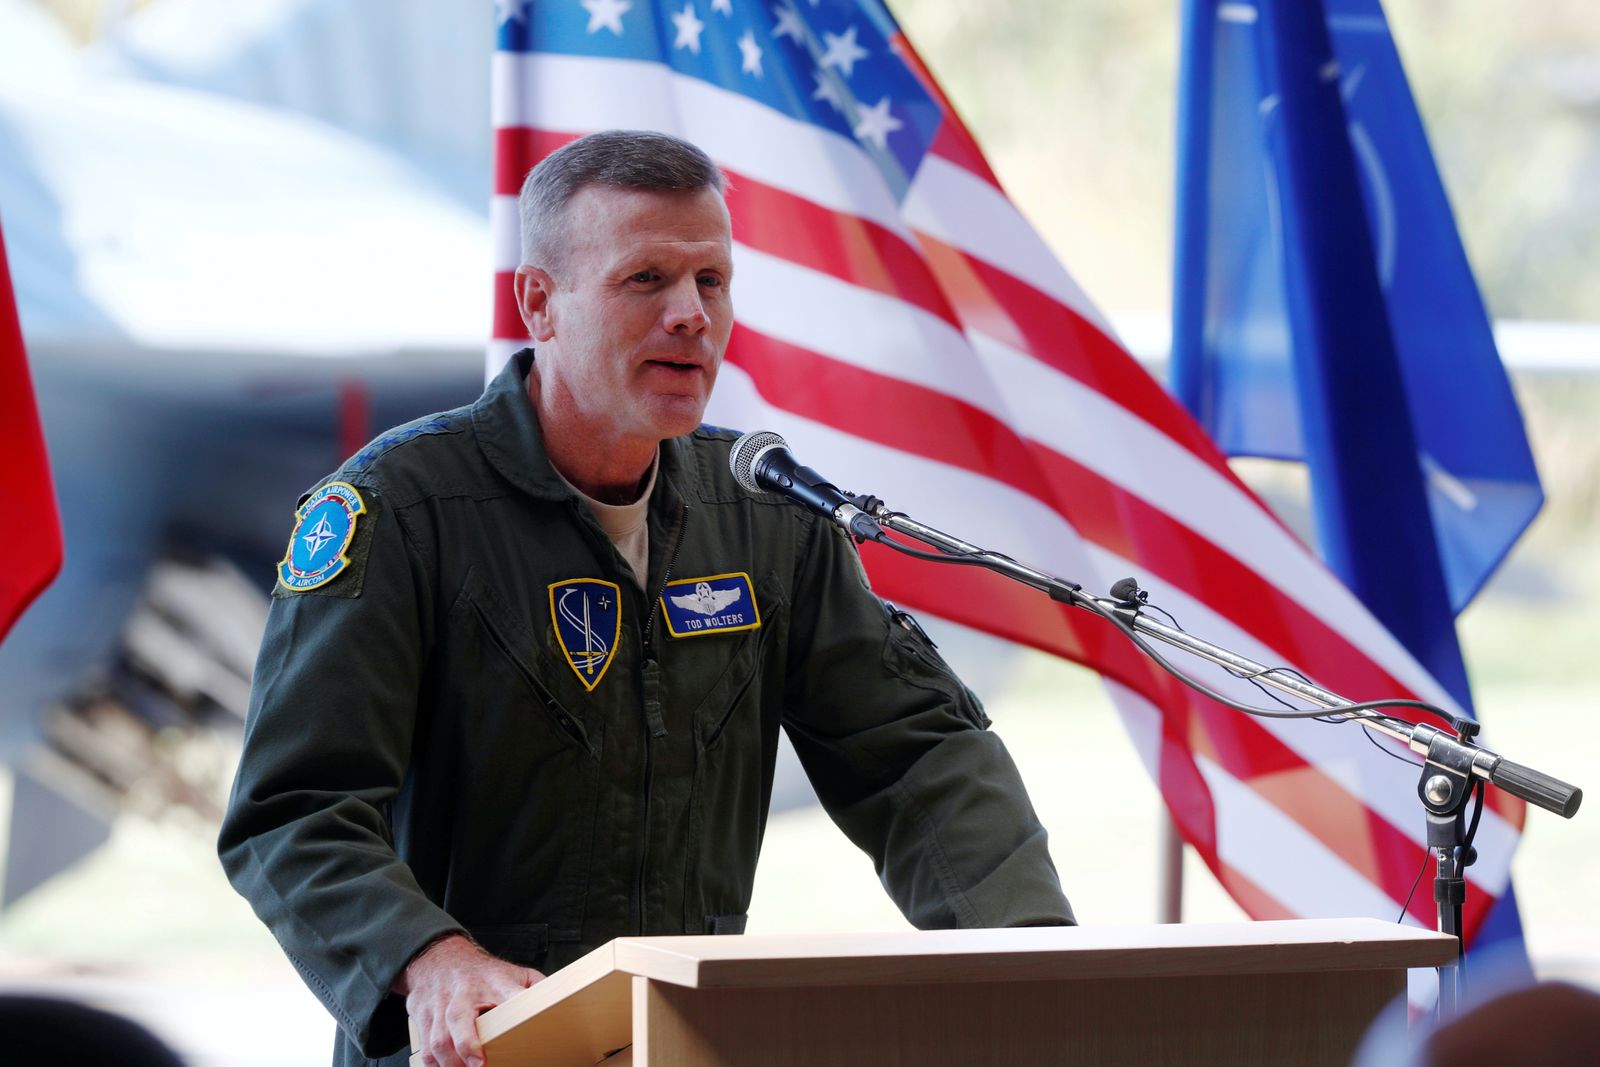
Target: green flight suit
{"points": [[421, 756]]}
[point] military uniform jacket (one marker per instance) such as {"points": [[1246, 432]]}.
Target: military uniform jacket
{"points": [[424, 755]]}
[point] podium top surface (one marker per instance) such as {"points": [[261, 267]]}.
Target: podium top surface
{"points": [[1031, 954]]}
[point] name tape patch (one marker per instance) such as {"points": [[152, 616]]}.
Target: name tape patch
{"points": [[587, 616], [324, 527], [716, 604]]}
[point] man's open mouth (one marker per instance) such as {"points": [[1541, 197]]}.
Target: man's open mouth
{"points": [[682, 366]]}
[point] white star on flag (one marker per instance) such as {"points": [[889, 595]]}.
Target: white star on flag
{"points": [[843, 51], [751, 52], [511, 11], [689, 29], [317, 536], [828, 89], [875, 124], [606, 14], [724, 6], [789, 24]]}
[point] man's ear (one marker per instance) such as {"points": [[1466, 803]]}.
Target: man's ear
{"points": [[534, 288]]}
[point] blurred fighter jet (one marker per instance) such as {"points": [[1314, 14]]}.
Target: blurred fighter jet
{"points": [[231, 268]]}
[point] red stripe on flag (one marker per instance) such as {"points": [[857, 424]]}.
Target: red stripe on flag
{"points": [[779, 223], [33, 551], [953, 141], [955, 145], [1256, 902], [508, 324], [1376, 849], [926, 422], [1371, 847], [844, 246], [999, 305], [517, 149], [1006, 609]]}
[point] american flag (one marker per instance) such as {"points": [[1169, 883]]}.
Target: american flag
{"points": [[908, 331]]}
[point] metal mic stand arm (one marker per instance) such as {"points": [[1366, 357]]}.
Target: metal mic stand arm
{"points": [[1456, 755], [1450, 761]]}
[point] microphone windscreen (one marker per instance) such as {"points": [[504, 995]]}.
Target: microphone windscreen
{"points": [[1126, 590], [746, 450]]}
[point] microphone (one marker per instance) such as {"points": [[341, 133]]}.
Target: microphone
{"points": [[761, 460]]}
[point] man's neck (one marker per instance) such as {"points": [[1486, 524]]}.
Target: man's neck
{"points": [[610, 469]]}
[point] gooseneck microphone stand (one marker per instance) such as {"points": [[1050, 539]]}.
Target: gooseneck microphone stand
{"points": [[1454, 768]]}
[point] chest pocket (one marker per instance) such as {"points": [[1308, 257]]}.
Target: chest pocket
{"points": [[530, 658], [527, 774], [733, 664]]}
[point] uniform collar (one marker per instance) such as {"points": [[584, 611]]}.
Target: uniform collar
{"points": [[508, 433]]}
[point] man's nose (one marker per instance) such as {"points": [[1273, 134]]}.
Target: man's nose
{"points": [[686, 309]]}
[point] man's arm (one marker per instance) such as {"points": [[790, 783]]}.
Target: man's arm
{"points": [[328, 739], [900, 755]]}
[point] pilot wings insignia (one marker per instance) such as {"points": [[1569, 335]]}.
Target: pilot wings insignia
{"points": [[706, 600], [717, 603]]}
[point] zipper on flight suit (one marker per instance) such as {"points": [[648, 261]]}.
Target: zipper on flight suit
{"points": [[655, 725]]}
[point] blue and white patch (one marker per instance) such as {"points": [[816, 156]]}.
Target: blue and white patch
{"points": [[587, 616], [716, 604], [324, 527]]}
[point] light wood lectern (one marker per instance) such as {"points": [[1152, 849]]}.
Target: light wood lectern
{"points": [[1299, 992]]}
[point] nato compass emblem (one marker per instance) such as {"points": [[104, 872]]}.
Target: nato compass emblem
{"points": [[587, 615], [324, 526], [716, 604]]}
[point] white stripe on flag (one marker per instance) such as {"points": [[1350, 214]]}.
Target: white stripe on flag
{"points": [[1126, 450], [1265, 845], [866, 329], [1388, 788], [1268, 847], [955, 206], [506, 227], [887, 336], [990, 513], [967, 504], [576, 95]]}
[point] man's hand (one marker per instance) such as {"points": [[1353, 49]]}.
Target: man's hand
{"points": [[447, 986]]}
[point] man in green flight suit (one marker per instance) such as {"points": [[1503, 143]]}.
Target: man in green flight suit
{"points": [[526, 664]]}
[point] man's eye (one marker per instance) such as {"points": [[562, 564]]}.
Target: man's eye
{"points": [[710, 279], [643, 276]]}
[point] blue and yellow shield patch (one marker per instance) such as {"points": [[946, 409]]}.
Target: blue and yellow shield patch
{"points": [[715, 604], [324, 526], [587, 616]]}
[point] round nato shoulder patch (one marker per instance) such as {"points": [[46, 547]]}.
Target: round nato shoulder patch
{"points": [[324, 526]]}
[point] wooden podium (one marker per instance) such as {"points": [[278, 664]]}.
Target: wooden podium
{"points": [[1300, 992]]}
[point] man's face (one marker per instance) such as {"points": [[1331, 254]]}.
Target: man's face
{"points": [[632, 320]]}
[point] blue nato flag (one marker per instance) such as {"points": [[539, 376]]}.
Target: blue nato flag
{"points": [[1324, 311]]}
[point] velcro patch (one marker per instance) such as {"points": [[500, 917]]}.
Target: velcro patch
{"points": [[324, 527], [717, 604], [399, 435]]}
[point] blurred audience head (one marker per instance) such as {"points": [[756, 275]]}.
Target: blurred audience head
{"points": [[36, 1031]]}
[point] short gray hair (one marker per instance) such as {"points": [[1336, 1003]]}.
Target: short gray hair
{"points": [[627, 159]]}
